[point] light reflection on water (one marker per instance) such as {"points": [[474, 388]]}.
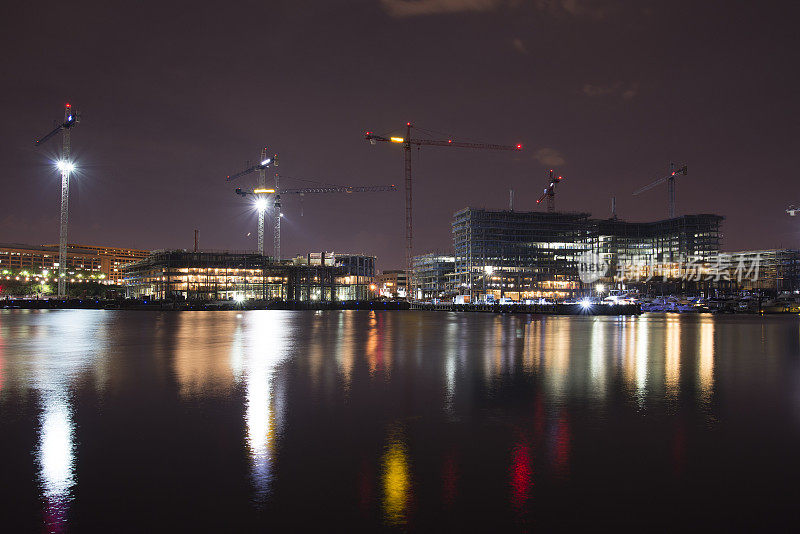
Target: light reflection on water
{"points": [[401, 414], [62, 346], [396, 479], [264, 347]]}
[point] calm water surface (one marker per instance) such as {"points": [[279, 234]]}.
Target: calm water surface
{"points": [[280, 420]]}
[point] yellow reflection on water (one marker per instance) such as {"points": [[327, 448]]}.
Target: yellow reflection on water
{"points": [[556, 362], [672, 356], [628, 334], [706, 358], [199, 368], [346, 353], [532, 355], [396, 481], [372, 347], [642, 360]]}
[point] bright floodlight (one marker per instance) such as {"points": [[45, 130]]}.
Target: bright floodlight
{"points": [[238, 298], [600, 288], [266, 161], [64, 165], [261, 204], [586, 303]]}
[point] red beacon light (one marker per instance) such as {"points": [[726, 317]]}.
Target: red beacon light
{"points": [[519, 146]]}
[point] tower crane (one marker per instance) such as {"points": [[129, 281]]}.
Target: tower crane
{"points": [[550, 192], [407, 142], [670, 179], [261, 202], [260, 194], [66, 166]]}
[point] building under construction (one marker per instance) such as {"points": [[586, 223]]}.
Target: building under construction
{"points": [[177, 274], [772, 271], [538, 254], [434, 276]]}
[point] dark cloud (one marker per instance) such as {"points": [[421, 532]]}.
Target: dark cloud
{"points": [[411, 8], [549, 157], [625, 91]]}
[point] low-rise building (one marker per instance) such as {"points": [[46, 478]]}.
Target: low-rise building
{"points": [[83, 261], [392, 283], [169, 274]]}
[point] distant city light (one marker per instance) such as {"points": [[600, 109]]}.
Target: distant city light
{"points": [[600, 288], [238, 298], [586, 304]]}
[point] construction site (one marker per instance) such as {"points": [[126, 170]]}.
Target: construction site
{"points": [[508, 254]]}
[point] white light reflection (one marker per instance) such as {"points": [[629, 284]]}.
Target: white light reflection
{"points": [[450, 360], [597, 358], [56, 451], [264, 345], [64, 344], [642, 331]]}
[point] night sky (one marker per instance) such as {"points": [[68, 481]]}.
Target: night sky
{"points": [[175, 96]]}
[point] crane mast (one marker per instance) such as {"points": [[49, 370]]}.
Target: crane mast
{"points": [[261, 167], [262, 184], [670, 179], [276, 235], [407, 142], [65, 165]]}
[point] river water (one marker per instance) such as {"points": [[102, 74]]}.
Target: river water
{"points": [[297, 420]]}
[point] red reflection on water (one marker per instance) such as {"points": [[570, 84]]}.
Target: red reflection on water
{"points": [[365, 486], [54, 516], [521, 474], [449, 479]]}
